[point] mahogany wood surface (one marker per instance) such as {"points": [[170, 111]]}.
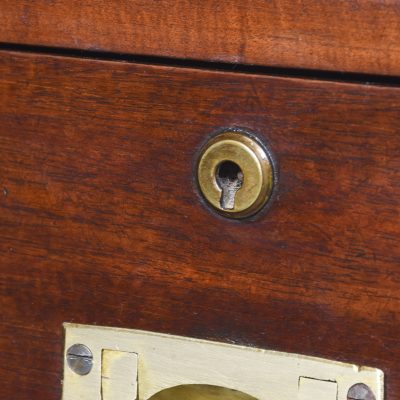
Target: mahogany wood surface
{"points": [[341, 35], [101, 221]]}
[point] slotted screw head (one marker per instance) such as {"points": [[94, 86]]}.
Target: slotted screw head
{"points": [[360, 391], [80, 359]]}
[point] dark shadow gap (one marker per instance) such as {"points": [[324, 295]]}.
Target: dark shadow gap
{"points": [[345, 77]]}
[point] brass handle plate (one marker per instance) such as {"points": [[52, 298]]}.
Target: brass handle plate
{"points": [[132, 364]]}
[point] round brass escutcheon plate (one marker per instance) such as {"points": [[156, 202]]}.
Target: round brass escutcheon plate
{"points": [[235, 174]]}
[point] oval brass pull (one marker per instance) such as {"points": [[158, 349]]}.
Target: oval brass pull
{"points": [[200, 392]]}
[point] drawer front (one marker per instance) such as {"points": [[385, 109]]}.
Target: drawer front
{"points": [[337, 35], [102, 223]]}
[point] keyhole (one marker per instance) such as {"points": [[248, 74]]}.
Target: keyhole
{"points": [[229, 179]]}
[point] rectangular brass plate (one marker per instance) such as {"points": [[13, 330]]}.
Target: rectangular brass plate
{"points": [[164, 361]]}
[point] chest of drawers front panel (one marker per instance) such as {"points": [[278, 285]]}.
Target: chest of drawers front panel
{"points": [[101, 221]]}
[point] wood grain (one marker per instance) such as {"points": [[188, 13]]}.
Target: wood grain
{"points": [[101, 222], [341, 35]]}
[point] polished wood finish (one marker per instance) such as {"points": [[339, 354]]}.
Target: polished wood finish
{"points": [[341, 35], [101, 222]]}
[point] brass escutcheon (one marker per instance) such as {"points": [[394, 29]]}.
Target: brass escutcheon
{"points": [[235, 174]]}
